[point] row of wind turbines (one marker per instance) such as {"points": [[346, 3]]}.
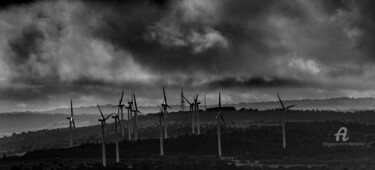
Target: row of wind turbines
{"points": [[132, 122]]}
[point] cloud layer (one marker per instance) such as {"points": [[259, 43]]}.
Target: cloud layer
{"points": [[51, 51]]}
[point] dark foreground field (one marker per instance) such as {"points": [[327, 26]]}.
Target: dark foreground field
{"points": [[253, 147]]}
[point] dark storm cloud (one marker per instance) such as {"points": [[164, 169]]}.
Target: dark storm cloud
{"points": [[26, 44], [367, 27], [162, 39], [29, 65], [255, 82], [174, 38], [11, 3], [232, 38], [91, 49]]}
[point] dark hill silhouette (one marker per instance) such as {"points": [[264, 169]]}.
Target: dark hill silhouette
{"points": [[218, 109], [179, 125], [251, 143]]}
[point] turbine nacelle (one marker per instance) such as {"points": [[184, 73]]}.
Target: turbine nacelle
{"points": [[70, 118], [115, 116]]}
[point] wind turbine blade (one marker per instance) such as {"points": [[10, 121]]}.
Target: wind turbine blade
{"points": [[71, 107], [186, 99], [101, 113], [281, 102], [165, 97], [122, 95], [74, 124], [108, 116], [218, 114], [135, 102], [196, 98], [219, 100], [131, 96], [290, 106], [222, 119]]}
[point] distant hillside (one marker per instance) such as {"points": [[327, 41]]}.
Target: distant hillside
{"points": [[341, 103], [108, 109], [31, 121]]}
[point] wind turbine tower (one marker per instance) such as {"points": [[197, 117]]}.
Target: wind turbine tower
{"points": [[130, 110], [196, 104], [103, 122], [165, 107], [219, 121], [284, 109], [136, 111], [161, 131], [117, 120], [191, 114]]}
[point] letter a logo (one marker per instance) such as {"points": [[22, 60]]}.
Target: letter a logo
{"points": [[342, 132]]}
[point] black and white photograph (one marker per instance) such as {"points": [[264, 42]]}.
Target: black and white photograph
{"points": [[187, 84]]}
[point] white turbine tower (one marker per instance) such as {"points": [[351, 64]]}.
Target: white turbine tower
{"points": [[103, 122], [117, 121], [191, 114], [219, 121], [196, 108], [161, 131], [284, 109], [136, 111], [71, 124], [130, 110]]}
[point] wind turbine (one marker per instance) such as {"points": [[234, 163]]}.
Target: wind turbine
{"points": [[130, 110], [219, 120], [120, 108], [71, 122], [102, 121], [161, 131], [117, 120], [136, 111], [191, 114], [284, 109], [165, 111], [196, 106]]}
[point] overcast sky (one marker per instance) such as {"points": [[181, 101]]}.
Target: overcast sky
{"points": [[88, 51]]}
